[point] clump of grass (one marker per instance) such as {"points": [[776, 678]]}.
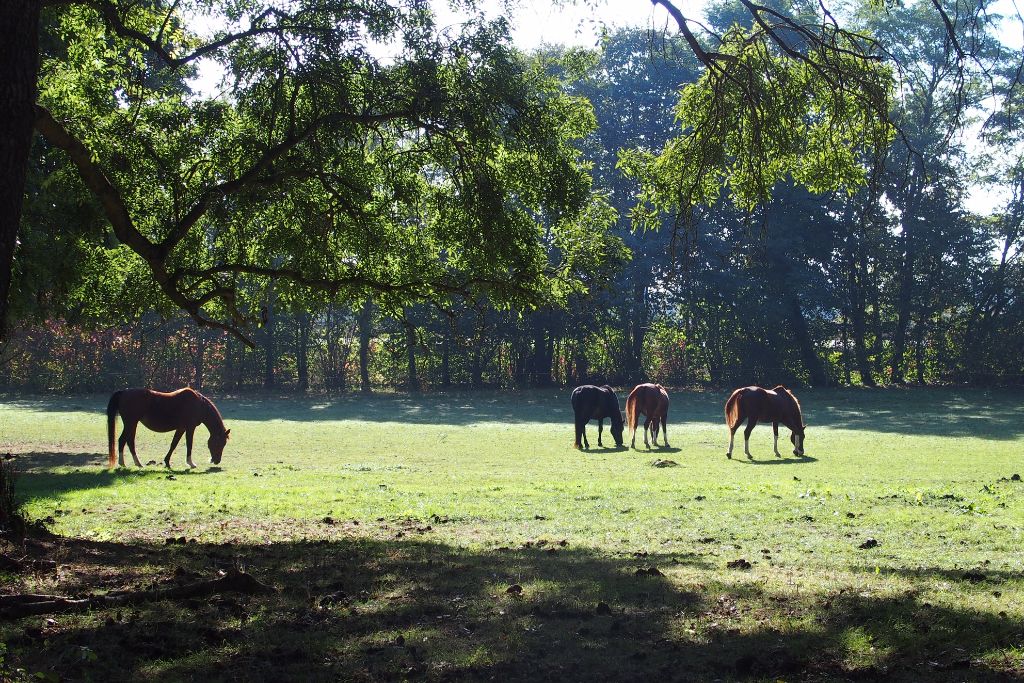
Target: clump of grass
{"points": [[12, 519]]}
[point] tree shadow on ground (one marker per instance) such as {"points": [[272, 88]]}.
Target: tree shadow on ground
{"points": [[361, 609]]}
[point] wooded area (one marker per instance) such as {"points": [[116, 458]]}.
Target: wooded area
{"points": [[468, 215]]}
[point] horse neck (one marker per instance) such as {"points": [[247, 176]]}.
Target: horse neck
{"points": [[211, 417], [793, 419]]}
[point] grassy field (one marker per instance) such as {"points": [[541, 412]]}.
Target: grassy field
{"points": [[398, 529]]}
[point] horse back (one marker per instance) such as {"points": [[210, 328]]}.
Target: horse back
{"points": [[767, 405], [162, 411], [594, 403]]}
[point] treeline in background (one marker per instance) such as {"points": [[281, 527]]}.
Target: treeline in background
{"points": [[898, 282]]}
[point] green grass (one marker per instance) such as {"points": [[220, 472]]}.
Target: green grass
{"points": [[438, 504]]}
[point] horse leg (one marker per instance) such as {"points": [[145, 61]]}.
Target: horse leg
{"points": [[647, 426], [732, 434], [600, 428], [655, 426], [122, 441], [174, 444], [129, 431], [775, 429], [751, 423], [189, 431], [664, 429]]}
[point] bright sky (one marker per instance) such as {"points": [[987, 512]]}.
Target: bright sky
{"points": [[538, 22]]}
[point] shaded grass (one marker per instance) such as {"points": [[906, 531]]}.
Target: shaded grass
{"points": [[415, 516]]}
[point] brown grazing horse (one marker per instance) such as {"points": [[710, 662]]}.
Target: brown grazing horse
{"points": [[756, 404], [179, 411], [652, 401]]}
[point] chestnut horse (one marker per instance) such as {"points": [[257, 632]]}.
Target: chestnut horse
{"points": [[596, 403], [766, 405], [652, 401], [179, 411]]}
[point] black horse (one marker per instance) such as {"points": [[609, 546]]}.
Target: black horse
{"points": [[596, 403]]}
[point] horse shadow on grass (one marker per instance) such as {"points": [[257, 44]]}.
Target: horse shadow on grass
{"points": [[359, 608], [37, 478], [785, 460]]}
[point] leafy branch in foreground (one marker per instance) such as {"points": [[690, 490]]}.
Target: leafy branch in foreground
{"points": [[776, 101], [448, 169]]}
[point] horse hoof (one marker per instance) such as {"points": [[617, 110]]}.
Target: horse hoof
{"points": [[729, 455]]}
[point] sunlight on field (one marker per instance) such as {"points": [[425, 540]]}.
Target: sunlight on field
{"points": [[906, 503]]}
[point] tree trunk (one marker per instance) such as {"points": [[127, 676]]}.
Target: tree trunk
{"points": [[269, 344], [541, 358], [365, 320], [812, 361], [19, 61], [198, 360], [413, 384], [903, 302], [637, 332], [446, 371], [302, 353]]}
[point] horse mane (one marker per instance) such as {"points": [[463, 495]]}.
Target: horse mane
{"points": [[211, 409], [794, 403]]}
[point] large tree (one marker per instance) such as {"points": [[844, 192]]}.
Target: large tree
{"points": [[439, 163]]}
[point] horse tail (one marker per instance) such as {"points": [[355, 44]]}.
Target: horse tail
{"points": [[631, 410], [112, 425], [732, 409]]}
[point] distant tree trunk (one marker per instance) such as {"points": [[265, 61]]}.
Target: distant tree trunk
{"points": [[365, 320], [903, 304], [476, 369], [19, 62], [269, 343], [812, 361], [302, 352], [845, 339], [905, 294], [198, 360], [637, 331], [410, 349], [446, 374], [580, 365], [856, 284], [542, 356]]}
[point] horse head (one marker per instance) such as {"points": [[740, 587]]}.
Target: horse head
{"points": [[216, 445], [797, 437], [617, 428]]}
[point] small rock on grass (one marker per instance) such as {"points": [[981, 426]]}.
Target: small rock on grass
{"points": [[664, 463], [514, 589], [870, 543], [603, 609], [741, 563]]}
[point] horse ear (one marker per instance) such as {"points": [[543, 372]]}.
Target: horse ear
{"points": [[227, 433]]}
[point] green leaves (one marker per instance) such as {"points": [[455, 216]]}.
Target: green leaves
{"points": [[448, 168], [758, 116]]}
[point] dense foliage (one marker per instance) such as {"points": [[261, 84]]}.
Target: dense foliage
{"points": [[465, 215]]}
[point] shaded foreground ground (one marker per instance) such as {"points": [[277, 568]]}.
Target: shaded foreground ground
{"points": [[460, 538], [362, 609]]}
